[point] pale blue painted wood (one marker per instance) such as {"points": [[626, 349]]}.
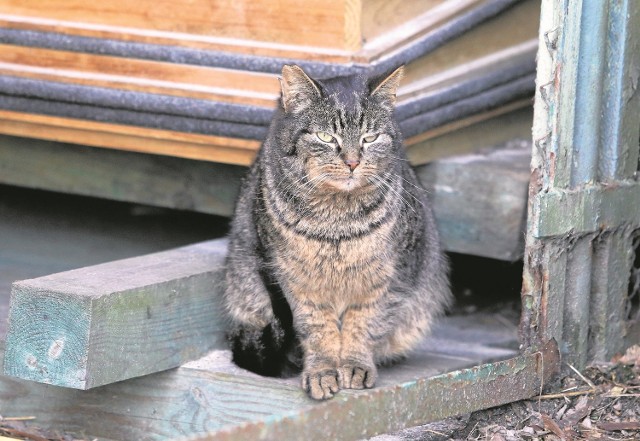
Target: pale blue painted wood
{"points": [[621, 127], [123, 319], [590, 61]]}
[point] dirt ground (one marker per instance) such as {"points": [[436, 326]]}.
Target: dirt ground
{"points": [[600, 403]]}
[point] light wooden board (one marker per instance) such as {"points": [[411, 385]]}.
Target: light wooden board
{"points": [[283, 22], [130, 138], [353, 30], [101, 324], [514, 27], [477, 52], [387, 25], [198, 82]]}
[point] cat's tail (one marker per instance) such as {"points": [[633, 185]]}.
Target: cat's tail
{"points": [[272, 351]]}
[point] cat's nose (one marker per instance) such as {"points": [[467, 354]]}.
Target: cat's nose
{"points": [[352, 163]]}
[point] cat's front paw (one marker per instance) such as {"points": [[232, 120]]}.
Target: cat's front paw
{"points": [[320, 384], [357, 375]]}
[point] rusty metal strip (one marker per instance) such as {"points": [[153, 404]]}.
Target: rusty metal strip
{"points": [[354, 415]]}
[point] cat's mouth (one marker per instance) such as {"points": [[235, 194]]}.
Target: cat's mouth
{"points": [[348, 183]]}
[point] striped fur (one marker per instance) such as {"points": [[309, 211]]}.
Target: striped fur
{"points": [[334, 262]]}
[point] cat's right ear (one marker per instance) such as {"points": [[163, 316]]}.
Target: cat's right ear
{"points": [[298, 90]]}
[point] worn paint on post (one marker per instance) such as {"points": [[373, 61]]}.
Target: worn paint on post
{"points": [[581, 218]]}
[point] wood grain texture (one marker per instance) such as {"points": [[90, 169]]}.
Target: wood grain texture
{"points": [[513, 28], [344, 31], [480, 201], [388, 25], [130, 138], [282, 21], [199, 82], [211, 394], [110, 322], [236, 46]]}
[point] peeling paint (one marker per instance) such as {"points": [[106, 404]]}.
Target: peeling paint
{"points": [[584, 177]]}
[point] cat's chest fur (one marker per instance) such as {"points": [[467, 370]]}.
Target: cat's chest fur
{"points": [[344, 269]]}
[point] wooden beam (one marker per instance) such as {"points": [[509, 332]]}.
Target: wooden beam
{"points": [[101, 324], [480, 201], [212, 188], [225, 21], [205, 187]]}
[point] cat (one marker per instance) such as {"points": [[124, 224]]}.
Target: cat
{"points": [[334, 259]]}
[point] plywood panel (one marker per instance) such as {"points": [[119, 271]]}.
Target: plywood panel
{"points": [[516, 26], [282, 21], [387, 25], [136, 139], [201, 82]]}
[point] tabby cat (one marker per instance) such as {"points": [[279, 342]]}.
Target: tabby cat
{"points": [[334, 260]]}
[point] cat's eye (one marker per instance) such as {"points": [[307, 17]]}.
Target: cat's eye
{"points": [[325, 137], [370, 138]]}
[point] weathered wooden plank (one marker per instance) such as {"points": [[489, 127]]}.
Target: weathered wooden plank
{"points": [[205, 187], [211, 393], [582, 192], [576, 310], [357, 415], [480, 201], [608, 308], [97, 325], [588, 210], [212, 188], [162, 406]]}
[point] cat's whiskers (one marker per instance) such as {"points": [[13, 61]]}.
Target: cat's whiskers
{"points": [[383, 184], [397, 158]]}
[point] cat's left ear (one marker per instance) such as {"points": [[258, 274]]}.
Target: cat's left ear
{"points": [[385, 89], [298, 90]]}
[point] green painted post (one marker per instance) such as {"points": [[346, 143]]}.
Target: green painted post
{"points": [[584, 191]]}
